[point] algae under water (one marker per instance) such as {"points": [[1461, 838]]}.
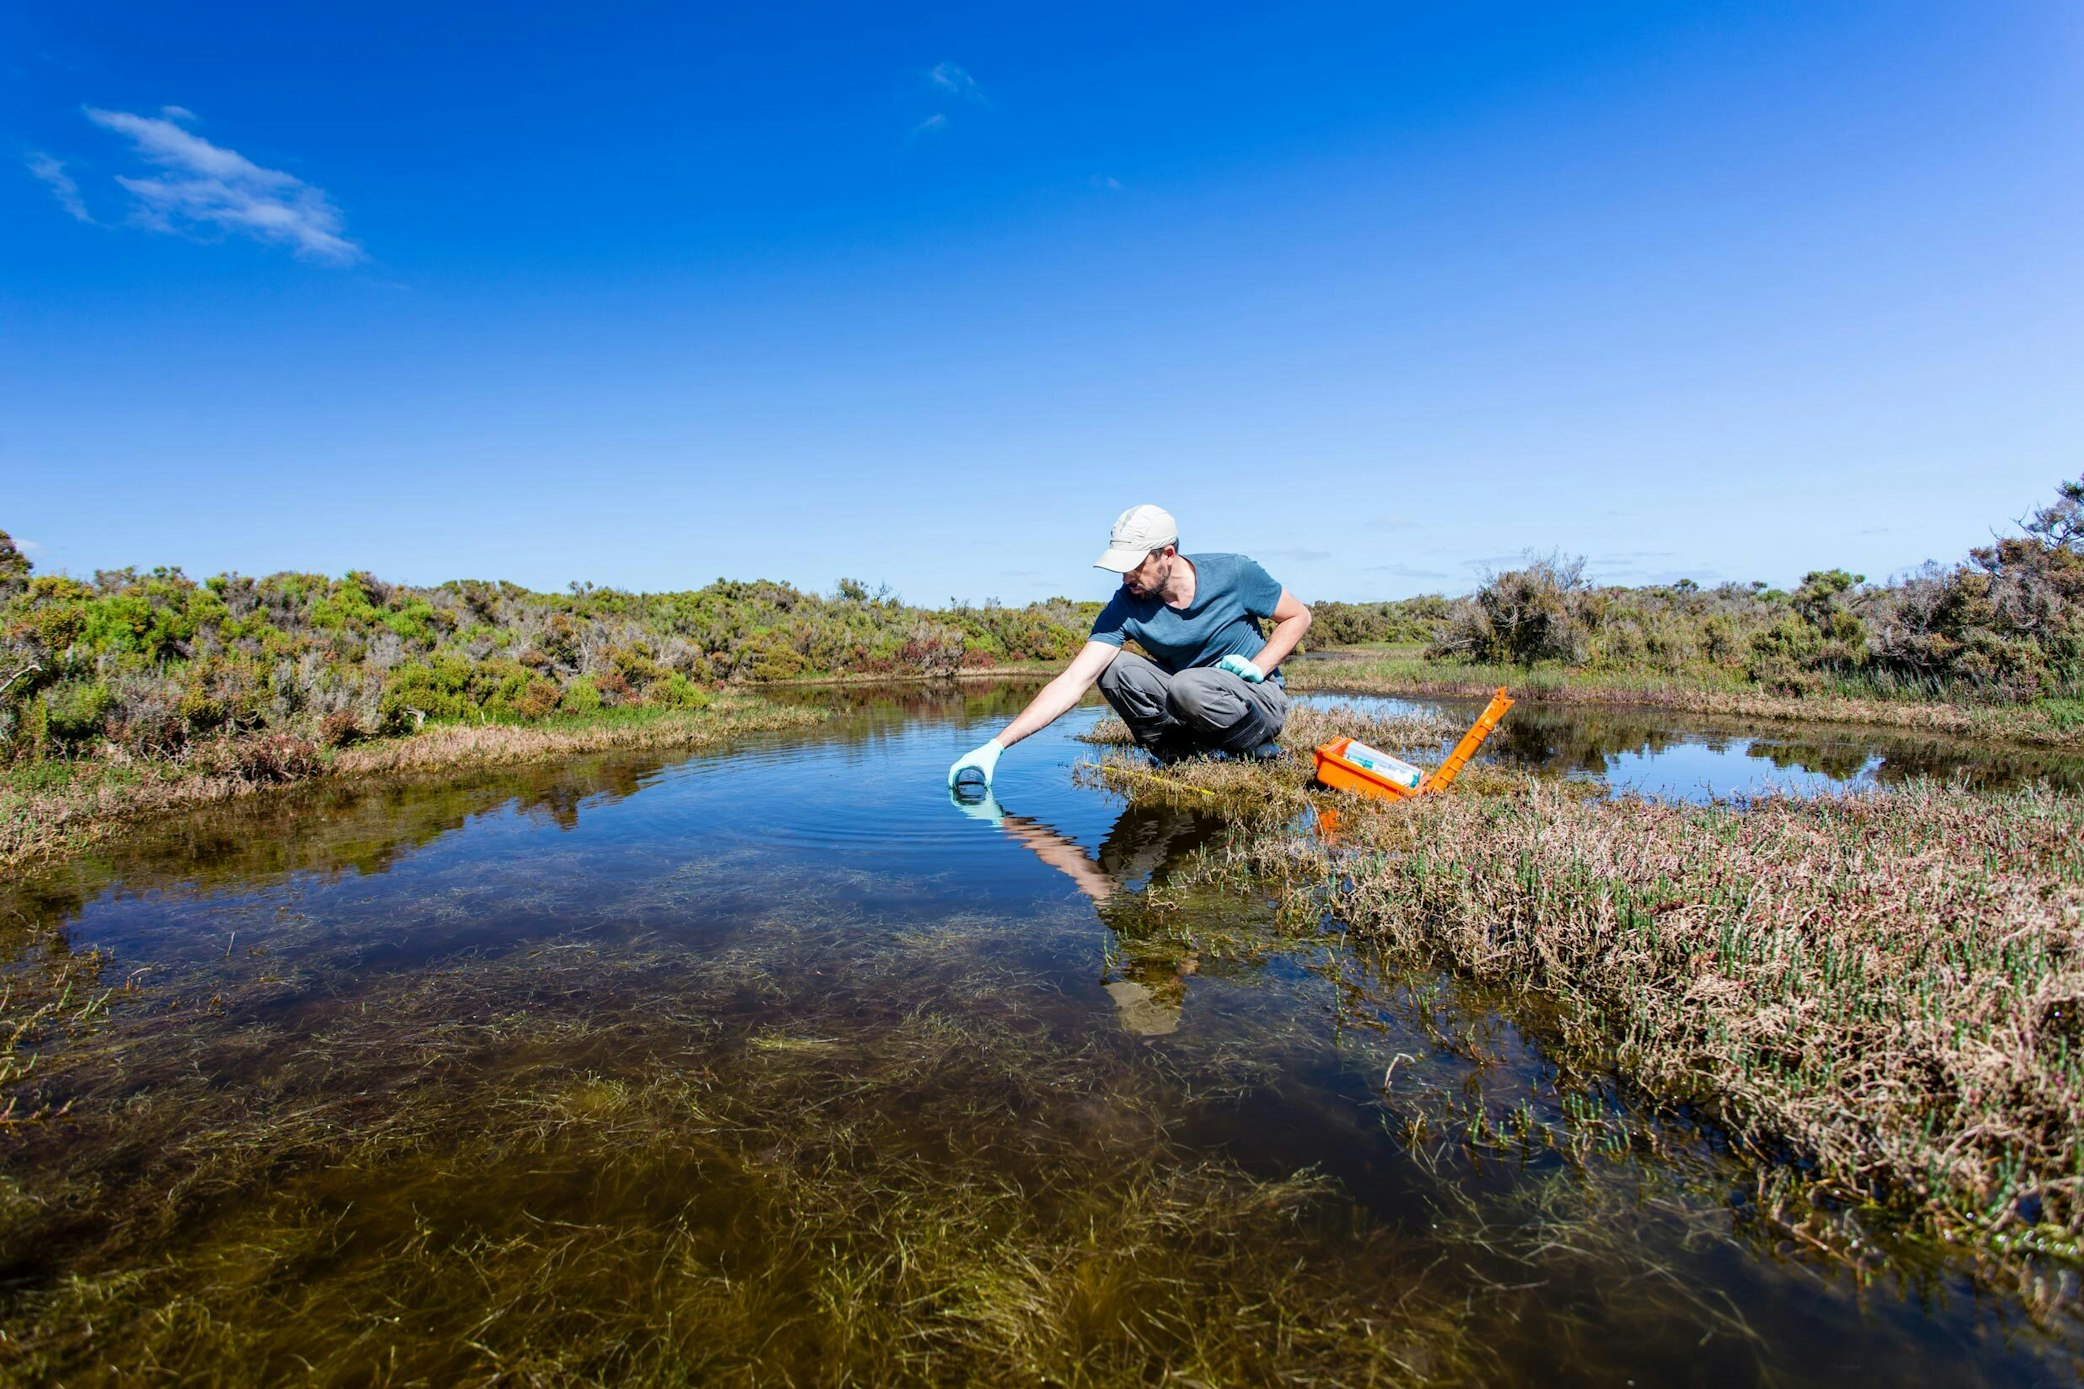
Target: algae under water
{"points": [[771, 1067]]}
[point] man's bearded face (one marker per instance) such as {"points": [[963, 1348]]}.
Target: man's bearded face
{"points": [[1150, 577]]}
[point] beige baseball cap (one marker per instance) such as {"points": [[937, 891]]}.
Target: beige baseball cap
{"points": [[1137, 532]]}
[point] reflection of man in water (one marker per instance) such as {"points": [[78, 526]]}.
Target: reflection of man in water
{"points": [[1142, 842], [1212, 682]]}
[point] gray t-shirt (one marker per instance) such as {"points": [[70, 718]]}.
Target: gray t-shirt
{"points": [[1231, 593]]}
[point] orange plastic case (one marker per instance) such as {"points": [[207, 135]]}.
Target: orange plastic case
{"points": [[1335, 771]]}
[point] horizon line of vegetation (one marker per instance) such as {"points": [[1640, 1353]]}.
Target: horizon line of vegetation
{"points": [[147, 665]]}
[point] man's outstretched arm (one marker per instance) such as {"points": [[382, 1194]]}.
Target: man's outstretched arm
{"points": [[1048, 705]]}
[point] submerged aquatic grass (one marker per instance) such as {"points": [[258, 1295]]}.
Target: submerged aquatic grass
{"points": [[800, 1160], [568, 1169], [59, 994]]}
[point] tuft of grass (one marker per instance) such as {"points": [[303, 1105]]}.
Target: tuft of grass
{"points": [[2066, 715], [1253, 789], [57, 995], [456, 745]]}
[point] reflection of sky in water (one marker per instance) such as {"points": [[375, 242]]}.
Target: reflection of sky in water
{"points": [[1697, 771], [709, 846]]}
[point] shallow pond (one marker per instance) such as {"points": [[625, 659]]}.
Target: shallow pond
{"points": [[1656, 752], [775, 1067]]}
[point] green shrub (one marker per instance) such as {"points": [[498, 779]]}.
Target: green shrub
{"points": [[117, 622], [202, 711], [769, 656], [582, 696], [2008, 622], [1420, 619], [418, 690], [559, 642], [413, 623], [33, 732], [54, 625], [76, 712], [536, 701], [14, 568], [676, 691]]}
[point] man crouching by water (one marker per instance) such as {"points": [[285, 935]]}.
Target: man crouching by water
{"points": [[1213, 683]]}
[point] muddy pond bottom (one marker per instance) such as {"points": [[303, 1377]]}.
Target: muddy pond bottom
{"points": [[777, 1068]]}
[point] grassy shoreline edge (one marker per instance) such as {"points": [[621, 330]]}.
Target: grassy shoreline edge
{"points": [[96, 800]]}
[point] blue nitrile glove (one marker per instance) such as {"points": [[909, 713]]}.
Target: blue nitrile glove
{"points": [[1242, 668], [978, 804], [984, 759]]}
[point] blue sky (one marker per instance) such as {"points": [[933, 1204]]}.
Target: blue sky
{"points": [[1381, 294]]}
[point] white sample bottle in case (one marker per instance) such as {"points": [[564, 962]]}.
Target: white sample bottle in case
{"points": [[1383, 765]]}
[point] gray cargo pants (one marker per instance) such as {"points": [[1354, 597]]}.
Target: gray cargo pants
{"points": [[1198, 710]]}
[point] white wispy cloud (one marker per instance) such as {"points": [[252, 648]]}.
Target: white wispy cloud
{"points": [[955, 79], [1634, 566], [948, 83], [208, 185], [1405, 571], [52, 172], [1483, 564]]}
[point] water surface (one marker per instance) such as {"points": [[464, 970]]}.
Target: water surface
{"points": [[1659, 752], [774, 1067]]}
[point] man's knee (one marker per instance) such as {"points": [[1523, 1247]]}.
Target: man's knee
{"points": [[1136, 690], [1206, 696], [1129, 671]]}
